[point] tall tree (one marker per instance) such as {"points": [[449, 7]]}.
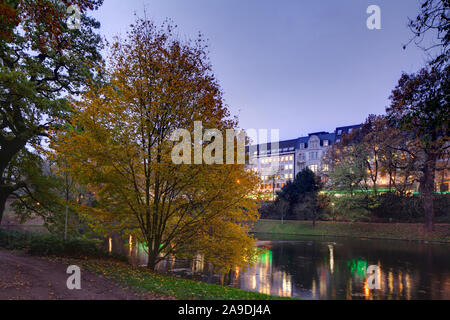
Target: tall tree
{"points": [[42, 61], [434, 17], [420, 107], [120, 146]]}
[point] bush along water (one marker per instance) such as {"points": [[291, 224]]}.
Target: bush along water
{"points": [[51, 245]]}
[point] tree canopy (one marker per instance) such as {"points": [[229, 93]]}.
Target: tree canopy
{"points": [[119, 144], [42, 62]]}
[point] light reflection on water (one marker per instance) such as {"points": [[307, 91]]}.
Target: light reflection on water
{"points": [[327, 268]]}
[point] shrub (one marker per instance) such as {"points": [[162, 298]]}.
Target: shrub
{"points": [[355, 207], [393, 207], [50, 245]]}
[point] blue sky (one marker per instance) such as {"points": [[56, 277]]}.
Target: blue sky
{"points": [[295, 65]]}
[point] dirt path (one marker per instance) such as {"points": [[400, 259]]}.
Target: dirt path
{"points": [[28, 277]]}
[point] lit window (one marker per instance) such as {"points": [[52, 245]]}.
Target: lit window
{"points": [[325, 143], [314, 167]]}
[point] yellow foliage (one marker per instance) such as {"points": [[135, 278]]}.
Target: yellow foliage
{"points": [[118, 144]]}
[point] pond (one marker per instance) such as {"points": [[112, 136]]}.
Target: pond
{"points": [[330, 268]]}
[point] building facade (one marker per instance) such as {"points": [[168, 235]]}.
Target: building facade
{"points": [[278, 164]]}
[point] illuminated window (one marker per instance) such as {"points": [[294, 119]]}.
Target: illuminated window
{"points": [[325, 143], [314, 167]]}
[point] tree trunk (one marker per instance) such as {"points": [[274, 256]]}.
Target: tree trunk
{"points": [[427, 191], [151, 263], [152, 260]]}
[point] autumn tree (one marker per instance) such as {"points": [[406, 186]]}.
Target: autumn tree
{"points": [[48, 193], [42, 61], [119, 144], [433, 20], [347, 161], [420, 108]]}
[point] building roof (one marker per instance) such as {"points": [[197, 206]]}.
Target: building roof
{"points": [[346, 129], [289, 145], [293, 144], [317, 133]]}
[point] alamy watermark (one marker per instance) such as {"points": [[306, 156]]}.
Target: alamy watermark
{"points": [[74, 20], [206, 146], [374, 20], [74, 280], [373, 277]]}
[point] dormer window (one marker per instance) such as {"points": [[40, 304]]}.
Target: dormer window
{"points": [[314, 144], [325, 143]]}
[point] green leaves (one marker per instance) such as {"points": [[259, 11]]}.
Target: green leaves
{"points": [[41, 63]]}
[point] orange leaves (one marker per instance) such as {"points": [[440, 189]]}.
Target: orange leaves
{"points": [[122, 151]]}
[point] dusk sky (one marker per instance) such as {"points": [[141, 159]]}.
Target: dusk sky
{"points": [[298, 66]]}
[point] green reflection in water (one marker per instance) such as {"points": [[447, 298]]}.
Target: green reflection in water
{"points": [[358, 267], [265, 256]]}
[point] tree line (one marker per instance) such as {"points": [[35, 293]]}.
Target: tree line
{"points": [[85, 140]]}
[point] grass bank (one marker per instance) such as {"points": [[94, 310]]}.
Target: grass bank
{"points": [[143, 280], [396, 231], [90, 254]]}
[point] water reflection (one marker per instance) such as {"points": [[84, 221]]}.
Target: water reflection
{"points": [[327, 268]]}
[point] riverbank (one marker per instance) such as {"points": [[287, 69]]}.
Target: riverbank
{"points": [[34, 267], [27, 277], [144, 280], [394, 231]]}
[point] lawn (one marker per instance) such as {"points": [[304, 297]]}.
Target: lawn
{"points": [[400, 231]]}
